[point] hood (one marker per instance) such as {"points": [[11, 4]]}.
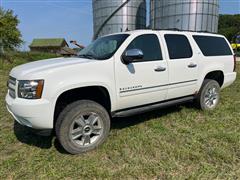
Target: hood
{"points": [[44, 66]]}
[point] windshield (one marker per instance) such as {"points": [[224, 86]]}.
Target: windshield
{"points": [[103, 48]]}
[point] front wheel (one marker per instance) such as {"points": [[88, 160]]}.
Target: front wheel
{"points": [[82, 126], [209, 95]]}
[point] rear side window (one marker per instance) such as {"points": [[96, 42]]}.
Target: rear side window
{"points": [[178, 46], [149, 44], [213, 46]]}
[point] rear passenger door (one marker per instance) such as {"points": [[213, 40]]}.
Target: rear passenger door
{"points": [[183, 67]]}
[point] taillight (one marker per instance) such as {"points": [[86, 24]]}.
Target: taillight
{"points": [[235, 63]]}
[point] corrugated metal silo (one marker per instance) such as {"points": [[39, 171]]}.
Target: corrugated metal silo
{"points": [[112, 16], [193, 15]]}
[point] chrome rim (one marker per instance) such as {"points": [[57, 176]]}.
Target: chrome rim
{"points": [[86, 129], [211, 97]]}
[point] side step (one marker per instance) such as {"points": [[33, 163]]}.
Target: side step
{"points": [[151, 107]]}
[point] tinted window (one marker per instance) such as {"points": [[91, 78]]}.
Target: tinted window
{"points": [[103, 48], [149, 44], [178, 46], [213, 46]]}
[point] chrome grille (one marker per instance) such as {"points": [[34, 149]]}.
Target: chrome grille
{"points": [[12, 87]]}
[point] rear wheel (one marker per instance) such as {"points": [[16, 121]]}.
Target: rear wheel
{"points": [[82, 126], [209, 95]]}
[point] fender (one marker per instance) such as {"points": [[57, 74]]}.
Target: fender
{"points": [[208, 69], [83, 85]]}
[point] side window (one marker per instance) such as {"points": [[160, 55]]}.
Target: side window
{"points": [[178, 46], [149, 44], [213, 46]]}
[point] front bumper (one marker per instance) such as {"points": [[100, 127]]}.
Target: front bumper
{"points": [[36, 114]]}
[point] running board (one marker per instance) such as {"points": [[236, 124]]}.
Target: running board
{"points": [[151, 107]]}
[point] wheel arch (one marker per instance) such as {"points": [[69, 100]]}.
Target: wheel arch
{"points": [[217, 75], [210, 73], [97, 93]]}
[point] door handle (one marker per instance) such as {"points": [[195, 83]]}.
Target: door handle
{"points": [[192, 65], [160, 69]]}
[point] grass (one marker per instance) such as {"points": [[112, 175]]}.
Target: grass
{"points": [[23, 57], [175, 143]]}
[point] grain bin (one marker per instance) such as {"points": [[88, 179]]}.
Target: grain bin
{"points": [[112, 16], [192, 15]]}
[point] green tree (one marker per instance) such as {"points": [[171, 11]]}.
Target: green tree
{"points": [[10, 36], [229, 25]]}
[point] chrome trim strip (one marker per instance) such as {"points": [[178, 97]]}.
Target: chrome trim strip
{"points": [[157, 86]]}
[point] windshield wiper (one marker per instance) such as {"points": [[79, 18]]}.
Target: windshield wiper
{"points": [[88, 56]]}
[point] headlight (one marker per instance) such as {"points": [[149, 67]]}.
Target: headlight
{"points": [[30, 89]]}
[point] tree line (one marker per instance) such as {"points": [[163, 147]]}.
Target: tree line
{"points": [[229, 26], [10, 35]]}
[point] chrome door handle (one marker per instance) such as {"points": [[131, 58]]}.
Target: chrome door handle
{"points": [[192, 65], [160, 69]]}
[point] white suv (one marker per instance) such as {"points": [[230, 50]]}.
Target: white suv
{"points": [[119, 75]]}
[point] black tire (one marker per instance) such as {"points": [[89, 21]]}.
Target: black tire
{"points": [[202, 97], [75, 114]]}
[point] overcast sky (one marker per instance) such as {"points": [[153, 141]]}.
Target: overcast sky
{"points": [[69, 19]]}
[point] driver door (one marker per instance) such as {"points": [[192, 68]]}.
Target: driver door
{"points": [[144, 81]]}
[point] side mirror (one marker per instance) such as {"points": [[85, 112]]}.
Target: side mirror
{"points": [[132, 55]]}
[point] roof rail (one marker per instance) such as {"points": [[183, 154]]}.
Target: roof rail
{"points": [[206, 32], [182, 30], [167, 29]]}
